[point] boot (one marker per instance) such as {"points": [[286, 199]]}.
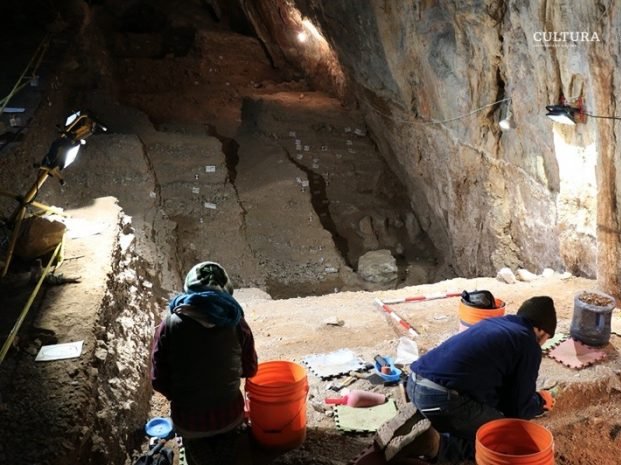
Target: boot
{"points": [[372, 455]]}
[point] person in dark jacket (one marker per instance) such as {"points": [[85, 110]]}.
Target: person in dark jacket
{"points": [[201, 350], [486, 372]]}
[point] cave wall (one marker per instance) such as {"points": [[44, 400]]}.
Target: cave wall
{"points": [[541, 195], [529, 197], [292, 42]]}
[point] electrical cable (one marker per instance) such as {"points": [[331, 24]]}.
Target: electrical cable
{"points": [[412, 120], [603, 117], [476, 110]]}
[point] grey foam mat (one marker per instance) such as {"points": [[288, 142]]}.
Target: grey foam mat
{"points": [[337, 363]]}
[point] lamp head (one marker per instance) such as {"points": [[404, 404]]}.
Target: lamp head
{"points": [[64, 150], [69, 156], [61, 154], [71, 118], [562, 114]]}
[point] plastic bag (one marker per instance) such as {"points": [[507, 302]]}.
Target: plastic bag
{"points": [[478, 299], [407, 351]]}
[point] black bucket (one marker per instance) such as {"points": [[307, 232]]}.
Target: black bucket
{"points": [[591, 321]]}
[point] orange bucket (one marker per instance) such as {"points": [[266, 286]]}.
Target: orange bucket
{"points": [[277, 404], [469, 315], [510, 441]]}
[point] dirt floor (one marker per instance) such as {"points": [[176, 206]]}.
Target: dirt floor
{"points": [[584, 422], [177, 103]]}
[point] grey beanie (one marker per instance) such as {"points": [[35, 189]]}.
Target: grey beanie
{"points": [[540, 312], [207, 276]]}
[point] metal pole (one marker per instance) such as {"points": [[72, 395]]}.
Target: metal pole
{"points": [[18, 216], [41, 206], [13, 241], [22, 316], [408, 327], [32, 66], [44, 173], [422, 298]]}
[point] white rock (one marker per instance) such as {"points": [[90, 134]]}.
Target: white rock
{"points": [[547, 272], [506, 275], [566, 275], [525, 275], [333, 321], [378, 266]]}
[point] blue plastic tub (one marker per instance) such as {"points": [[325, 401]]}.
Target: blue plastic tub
{"points": [[159, 427], [395, 373]]}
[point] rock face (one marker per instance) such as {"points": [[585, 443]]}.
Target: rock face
{"points": [[427, 75], [433, 79]]}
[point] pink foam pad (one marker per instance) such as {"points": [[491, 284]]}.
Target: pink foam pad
{"points": [[575, 354]]}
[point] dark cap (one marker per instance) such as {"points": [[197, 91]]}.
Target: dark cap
{"points": [[540, 312]]}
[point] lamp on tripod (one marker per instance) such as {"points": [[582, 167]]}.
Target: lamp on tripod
{"points": [[62, 152]]}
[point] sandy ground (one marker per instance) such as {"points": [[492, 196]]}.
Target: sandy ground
{"points": [[188, 115], [584, 422]]}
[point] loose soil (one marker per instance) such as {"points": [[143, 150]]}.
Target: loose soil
{"points": [[595, 299]]}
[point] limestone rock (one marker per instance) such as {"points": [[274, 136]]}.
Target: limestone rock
{"points": [[333, 321], [547, 273], [506, 275], [418, 273], [378, 266], [525, 275], [412, 226], [365, 229]]}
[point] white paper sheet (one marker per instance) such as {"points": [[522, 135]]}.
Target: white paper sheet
{"points": [[59, 351]]}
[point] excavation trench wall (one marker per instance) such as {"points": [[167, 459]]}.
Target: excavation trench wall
{"points": [[90, 409]]}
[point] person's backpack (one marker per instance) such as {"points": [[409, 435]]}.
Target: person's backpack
{"points": [[159, 455], [478, 299]]}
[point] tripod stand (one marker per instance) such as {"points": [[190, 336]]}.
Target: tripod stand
{"points": [[63, 151]]}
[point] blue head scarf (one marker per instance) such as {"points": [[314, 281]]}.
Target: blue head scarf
{"points": [[219, 308]]}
